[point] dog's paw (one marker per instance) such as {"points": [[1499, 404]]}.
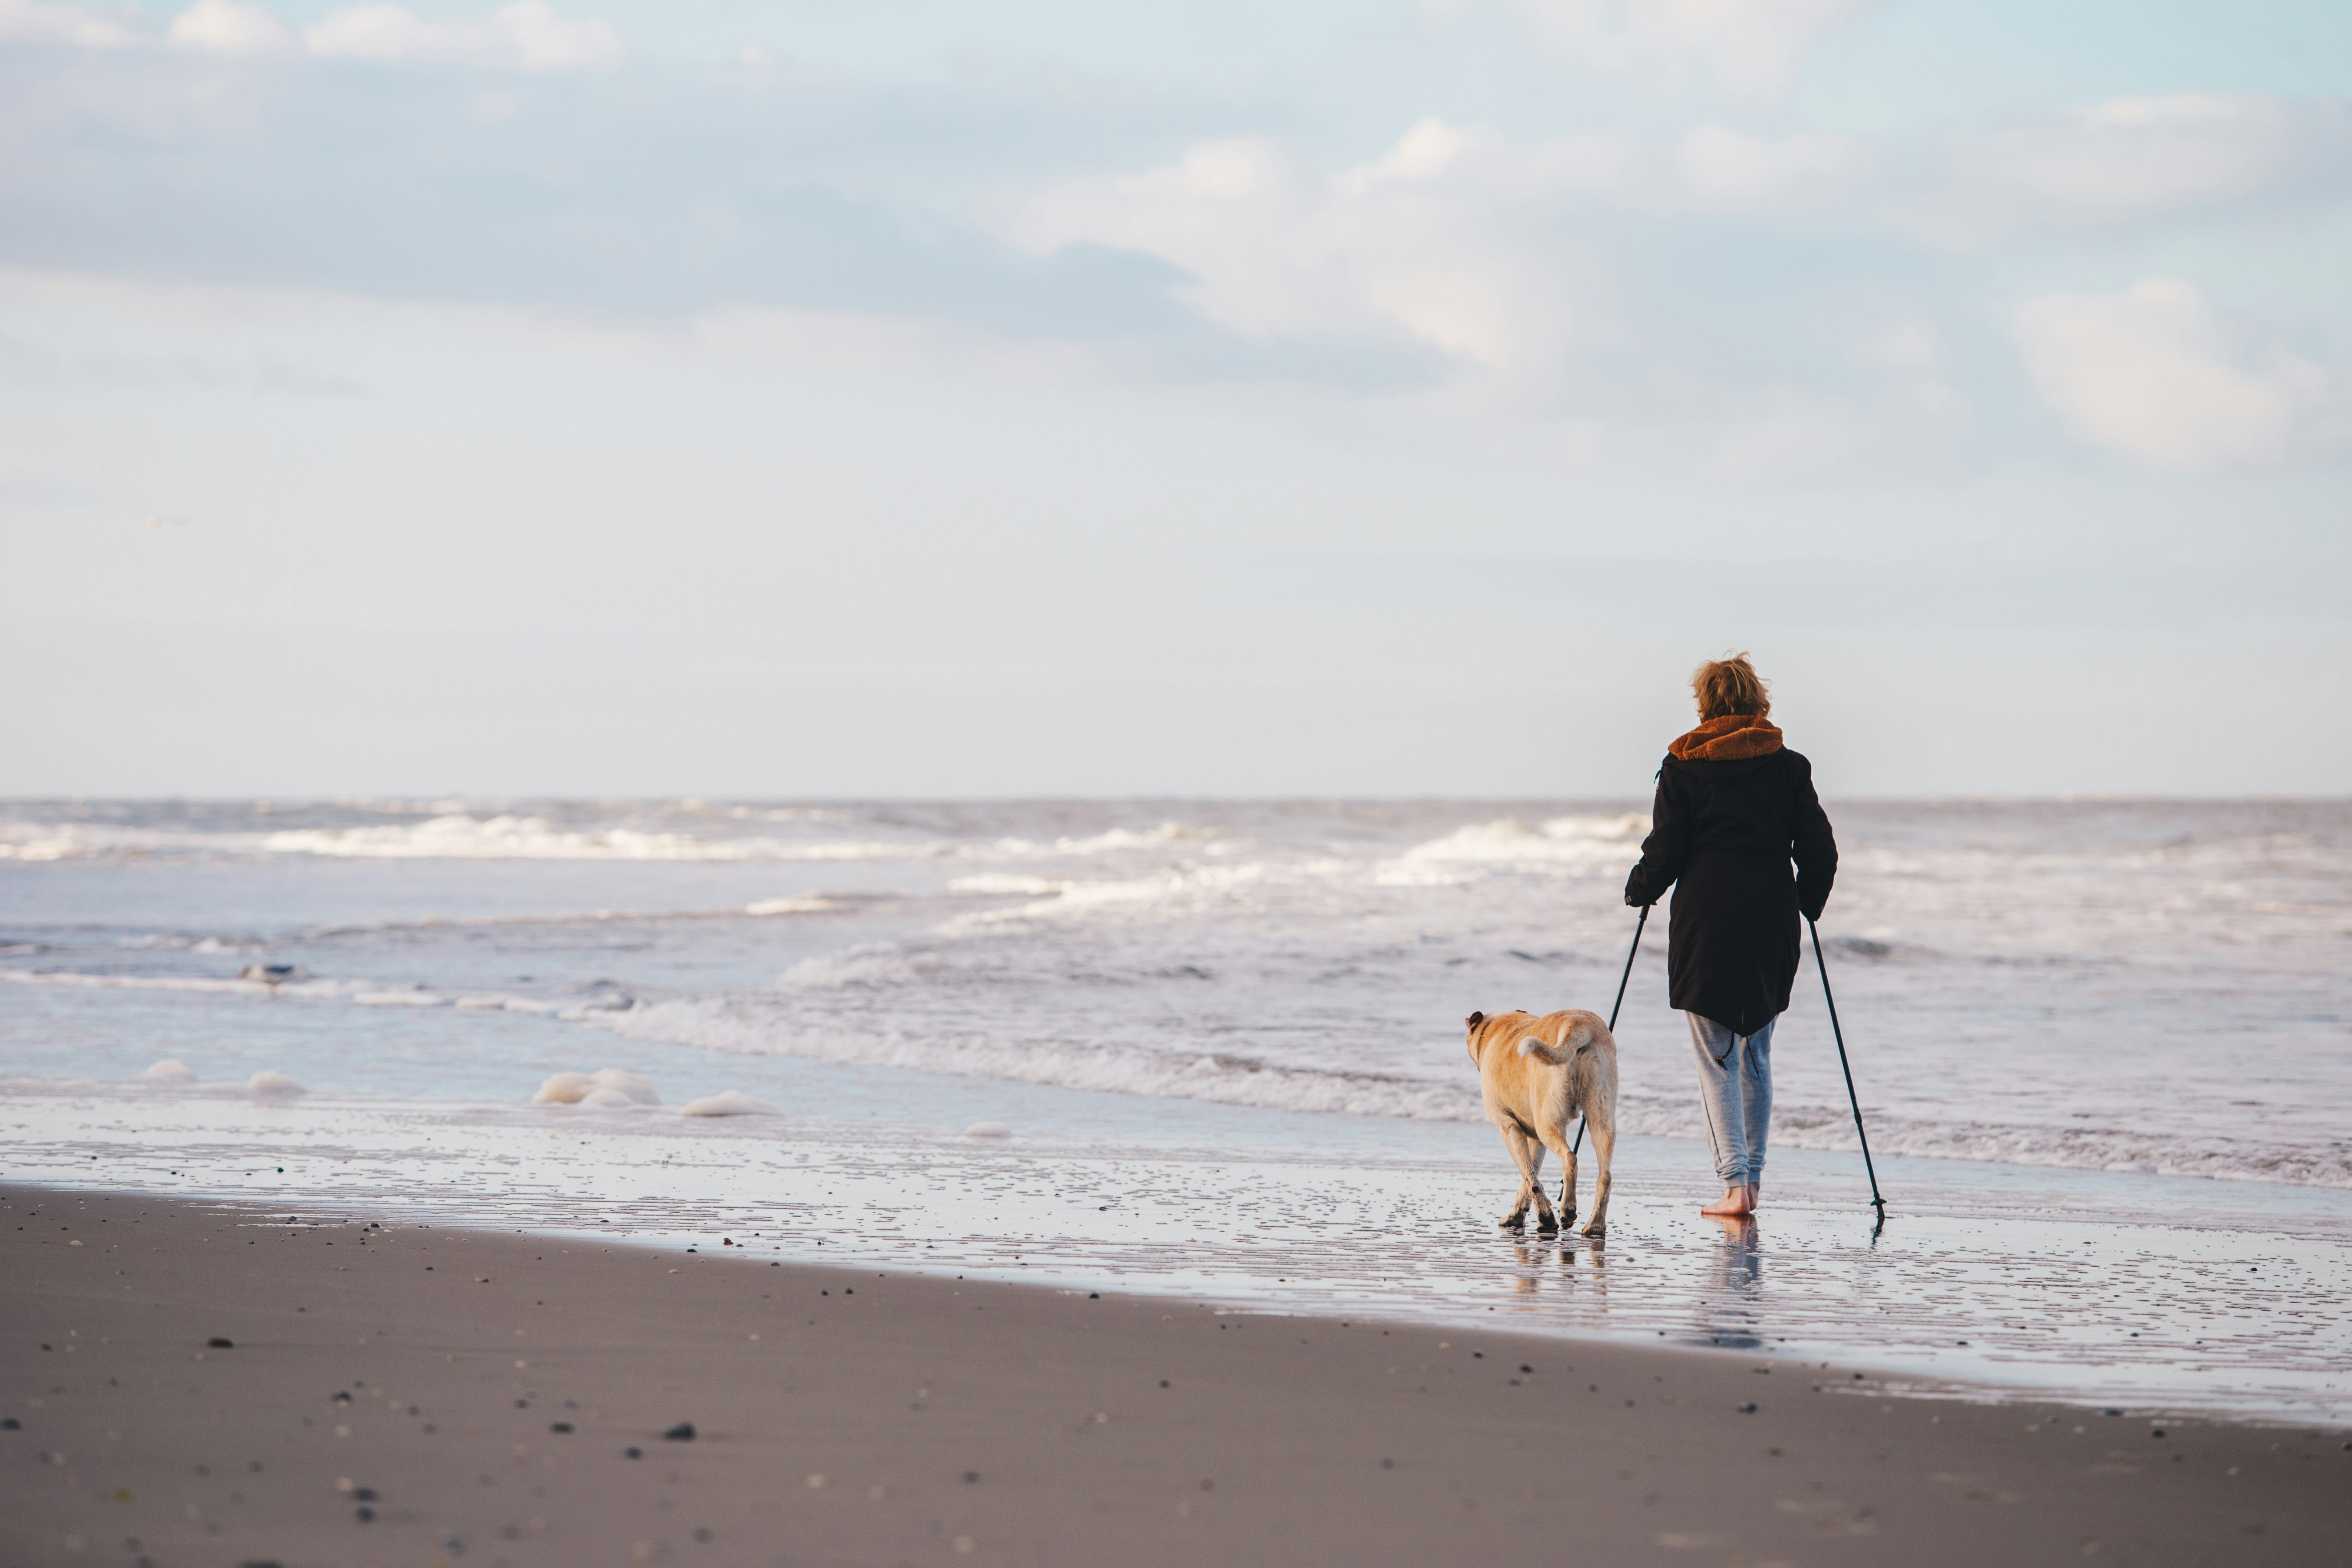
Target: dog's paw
{"points": [[1547, 1226], [1596, 1229]]}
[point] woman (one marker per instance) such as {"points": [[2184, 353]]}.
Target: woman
{"points": [[1734, 807]]}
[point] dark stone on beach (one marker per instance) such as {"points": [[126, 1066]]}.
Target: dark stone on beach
{"points": [[1747, 1410], [681, 1433], [13, 1425], [364, 1513], [218, 1344], [342, 1397], [2156, 1431], [2111, 1413], [702, 1535], [364, 1494], [1388, 1464], [633, 1453], [970, 1477], [559, 1426], [1094, 1295]]}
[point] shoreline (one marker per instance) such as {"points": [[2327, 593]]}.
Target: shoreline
{"points": [[2167, 1294], [835, 1421]]}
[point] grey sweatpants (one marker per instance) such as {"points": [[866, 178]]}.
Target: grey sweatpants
{"points": [[1734, 1091]]}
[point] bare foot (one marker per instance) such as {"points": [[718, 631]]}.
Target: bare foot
{"points": [[1734, 1203]]}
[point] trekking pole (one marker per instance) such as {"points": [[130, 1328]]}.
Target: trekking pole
{"points": [[1851, 1099], [1578, 1147]]}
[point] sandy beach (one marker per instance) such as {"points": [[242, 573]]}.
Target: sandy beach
{"points": [[428, 1394]]}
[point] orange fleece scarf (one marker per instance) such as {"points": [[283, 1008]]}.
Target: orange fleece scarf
{"points": [[1730, 739]]}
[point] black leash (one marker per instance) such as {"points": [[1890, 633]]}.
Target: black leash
{"points": [[1578, 1147], [1855, 1100]]}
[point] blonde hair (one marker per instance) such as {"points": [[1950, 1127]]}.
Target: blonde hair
{"points": [[1729, 685]]}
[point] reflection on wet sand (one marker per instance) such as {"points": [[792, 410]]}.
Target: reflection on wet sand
{"points": [[1730, 1313]]}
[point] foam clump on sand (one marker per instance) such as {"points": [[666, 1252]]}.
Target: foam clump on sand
{"points": [[275, 1084], [988, 1130], [171, 1070], [810, 904], [608, 1088], [727, 1102]]}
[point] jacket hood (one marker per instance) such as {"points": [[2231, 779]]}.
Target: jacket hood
{"points": [[1733, 738]]}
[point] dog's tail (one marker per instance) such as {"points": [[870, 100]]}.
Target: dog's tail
{"points": [[1577, 1038]]}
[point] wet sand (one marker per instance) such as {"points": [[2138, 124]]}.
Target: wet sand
{"points": [[420, 1396]]}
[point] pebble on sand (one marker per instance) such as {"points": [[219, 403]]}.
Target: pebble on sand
{"points": [[681, 1433], [988, 1130]]}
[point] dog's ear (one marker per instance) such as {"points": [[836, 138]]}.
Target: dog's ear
{"points": [[1473, 1020]]}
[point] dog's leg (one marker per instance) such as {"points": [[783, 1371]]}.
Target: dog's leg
{"points": [[1604, 1143], [1524, 1155], [1544, 1223], [1556, 1139]]}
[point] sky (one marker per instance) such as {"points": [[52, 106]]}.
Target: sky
{"points": [[1396, 397]]}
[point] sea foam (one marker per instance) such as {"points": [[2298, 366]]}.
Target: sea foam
{"points": [[726, 1103], [607, 1089]]}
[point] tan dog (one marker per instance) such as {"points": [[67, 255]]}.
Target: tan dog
{"points": [[1538, 1074]]}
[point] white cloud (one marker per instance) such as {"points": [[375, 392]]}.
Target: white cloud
{"points": [[1430, 244], [2126, 158], [2156, 372], [1748, 46], [1723, 165], [528, 35], [62, 24], [229, 27]]}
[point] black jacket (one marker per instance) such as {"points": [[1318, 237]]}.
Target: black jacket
{"points": [[1726, 831]]}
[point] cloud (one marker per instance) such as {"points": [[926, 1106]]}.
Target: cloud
{"points": [[2158, 373], [62, 24], [229, 27], [1440, 243], [1752, 47], [2124, 159], [528, 35], [1728, 166]]}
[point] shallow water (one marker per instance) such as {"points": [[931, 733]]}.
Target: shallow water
{"points": [[2155, 1293], [1238, 1024]]}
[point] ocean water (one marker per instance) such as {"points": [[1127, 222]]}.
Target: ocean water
{"points": [[2081, 1031]]}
